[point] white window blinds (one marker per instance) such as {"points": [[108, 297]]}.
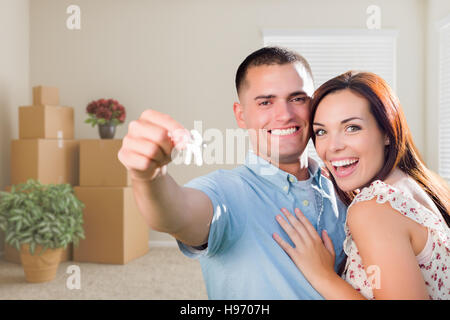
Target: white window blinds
{"points": [[444, 100], [333, 52]]}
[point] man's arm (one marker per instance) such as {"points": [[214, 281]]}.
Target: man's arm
{"points": [[184, 213]]}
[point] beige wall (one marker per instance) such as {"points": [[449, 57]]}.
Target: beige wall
{"points": [[14, 77], [437, 10], [180, 56]]}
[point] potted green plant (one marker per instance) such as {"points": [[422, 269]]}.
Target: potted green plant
{"points": [[107, 114], [39, 221]]}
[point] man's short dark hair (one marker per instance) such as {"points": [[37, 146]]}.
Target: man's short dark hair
{"points": [[268, 56]]}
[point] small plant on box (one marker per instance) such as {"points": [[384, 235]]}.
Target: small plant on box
{"points": [[41, 218], [105, 111], [107, 114]]}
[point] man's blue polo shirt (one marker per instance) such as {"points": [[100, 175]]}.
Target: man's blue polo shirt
{"points": [[242, 260]]}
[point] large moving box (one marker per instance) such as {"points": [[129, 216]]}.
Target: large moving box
{"points": [[115, 231], [47, 160], [99, 165], [46, 122], [45, 150]]}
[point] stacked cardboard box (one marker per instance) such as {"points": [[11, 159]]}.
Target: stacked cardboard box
{"points": [[114, 228], [45, 150]]}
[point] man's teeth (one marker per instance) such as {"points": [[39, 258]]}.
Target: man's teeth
{"points": [[283, 132], [342, 163]]}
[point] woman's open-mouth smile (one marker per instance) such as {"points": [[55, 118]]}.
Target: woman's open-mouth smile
{"points": [[344, 167]]}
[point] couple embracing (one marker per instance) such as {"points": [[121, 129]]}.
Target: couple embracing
{"points": [[372, 224]]}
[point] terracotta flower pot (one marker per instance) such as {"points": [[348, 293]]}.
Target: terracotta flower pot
{"points": [[40, 267]]}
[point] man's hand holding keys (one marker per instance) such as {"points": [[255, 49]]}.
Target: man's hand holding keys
{"points": [[147, 147]]}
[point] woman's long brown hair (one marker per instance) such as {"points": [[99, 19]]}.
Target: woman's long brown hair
{"points": [[401, 152]]}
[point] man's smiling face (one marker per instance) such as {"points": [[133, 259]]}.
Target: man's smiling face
{"points": [[275, 108]]}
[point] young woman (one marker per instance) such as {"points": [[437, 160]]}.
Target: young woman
{"points": [[398, 235]]}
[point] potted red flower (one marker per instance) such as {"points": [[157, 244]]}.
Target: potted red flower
{"points": [[107, 114]]}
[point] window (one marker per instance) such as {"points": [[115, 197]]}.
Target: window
{"points": [[444, 99], [333, 52]]}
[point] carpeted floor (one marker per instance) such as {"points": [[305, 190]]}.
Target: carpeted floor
{"points": [[163, 273]]}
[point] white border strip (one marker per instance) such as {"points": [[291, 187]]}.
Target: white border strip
{"points": [[443, 23], [281, 33]]}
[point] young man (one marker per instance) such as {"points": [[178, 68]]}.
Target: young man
{"points": [[227, 218]]}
